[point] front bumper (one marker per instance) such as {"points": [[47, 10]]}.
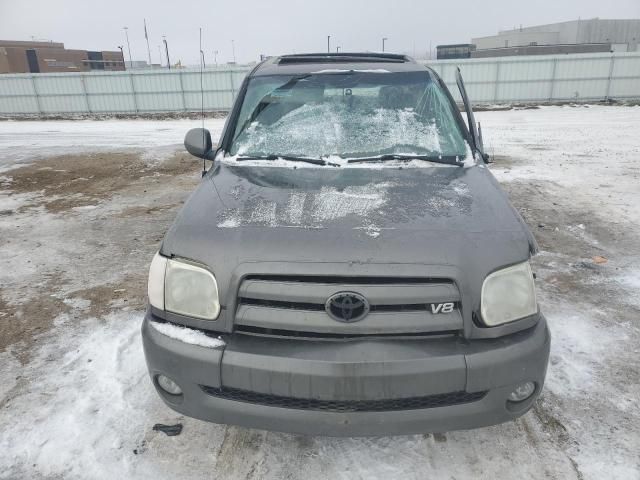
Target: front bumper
{"points": [[363, 372]]}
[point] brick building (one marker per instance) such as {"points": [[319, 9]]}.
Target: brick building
{"points": [[36, 57]]}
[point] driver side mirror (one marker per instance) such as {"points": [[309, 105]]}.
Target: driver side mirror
{"points": [[198, 143]]}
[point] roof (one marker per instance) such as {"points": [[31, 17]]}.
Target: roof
{"points": [[316, 62]]}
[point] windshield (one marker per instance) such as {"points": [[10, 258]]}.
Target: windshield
{"points": [[347, 114]]}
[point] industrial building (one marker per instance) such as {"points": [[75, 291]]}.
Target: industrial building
{"points": [[577, 36], [36, 57], [612, 35]]}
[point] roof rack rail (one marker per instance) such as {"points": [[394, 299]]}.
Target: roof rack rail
{"points": [[343, 58]]}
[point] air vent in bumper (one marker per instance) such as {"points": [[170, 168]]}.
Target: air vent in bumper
{"points": [[341, 406]]}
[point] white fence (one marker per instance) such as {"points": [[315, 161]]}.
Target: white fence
{"points": [[546, 78], [137, 91], [577, 77]]}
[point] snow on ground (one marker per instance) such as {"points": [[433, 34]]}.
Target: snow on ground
{"points": [[23, 140], [75, 399], [593, 150]]}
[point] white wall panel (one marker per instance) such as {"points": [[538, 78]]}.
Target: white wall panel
{"points": [[579, 77]]}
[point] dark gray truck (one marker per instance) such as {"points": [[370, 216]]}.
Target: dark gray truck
{"points": [[348, 265]]}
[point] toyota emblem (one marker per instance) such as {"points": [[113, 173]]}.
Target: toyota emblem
{"points": [[347, 307]]}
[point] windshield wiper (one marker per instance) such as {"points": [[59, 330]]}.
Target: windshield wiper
{"points": [[448, 159], [314, 161]]}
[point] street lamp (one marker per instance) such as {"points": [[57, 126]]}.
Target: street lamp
{"points": [[233, 50], [215, 57], [122, 55], [126, 32], [384, 39], [338, 49], [328, 43], [166, 49]]}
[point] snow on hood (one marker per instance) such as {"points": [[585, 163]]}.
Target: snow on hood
{"points": [[310, 209], [368, 200]]}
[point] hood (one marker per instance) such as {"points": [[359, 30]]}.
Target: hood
{"points": [[433, 215]]}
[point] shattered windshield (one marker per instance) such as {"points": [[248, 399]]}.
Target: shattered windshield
{"points": [[347, 114]]}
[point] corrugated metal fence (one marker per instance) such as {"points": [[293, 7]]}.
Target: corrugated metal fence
{"points": [[546, 78], [137, 91], [580, 77]]}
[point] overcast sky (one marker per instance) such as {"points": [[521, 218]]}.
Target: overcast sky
{"points": [[283, 26]]}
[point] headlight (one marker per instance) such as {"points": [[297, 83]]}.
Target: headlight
{"points": [[181, 287], [508, 294]]}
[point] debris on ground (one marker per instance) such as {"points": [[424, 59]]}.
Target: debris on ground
{"points": [[169, 430]]}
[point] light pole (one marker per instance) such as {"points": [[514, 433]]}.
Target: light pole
{"points": [[126, 32], [166, 49], [122, 55], [146, 36], [338, 49], [233, 50], [328, 43], [215, 57], [384, 39]]}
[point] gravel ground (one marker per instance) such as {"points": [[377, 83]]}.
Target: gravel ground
{"points": [[84, 205]]}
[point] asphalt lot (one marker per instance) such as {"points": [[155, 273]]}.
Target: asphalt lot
{"points": [[84, 205]]}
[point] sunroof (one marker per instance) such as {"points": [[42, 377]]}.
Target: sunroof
{"points": [[343, 58]]}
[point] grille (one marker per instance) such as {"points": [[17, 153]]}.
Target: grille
{"points": [[410, 307], [397, 305], [277, 333], [412, 403]]}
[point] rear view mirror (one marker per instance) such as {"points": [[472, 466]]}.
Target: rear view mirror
{"points": [[198, 143]]}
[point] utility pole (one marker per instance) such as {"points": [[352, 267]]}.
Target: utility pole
{"points": [[166, 49], [384, 39], [126, 32], [328, 43], [233, 50]]}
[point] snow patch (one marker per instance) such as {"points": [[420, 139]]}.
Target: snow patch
{"points": [[158, 138], [309, 209], [77, 303], [8, 373], [188, 335], [330, 203], [337, 161], [295, 207]]}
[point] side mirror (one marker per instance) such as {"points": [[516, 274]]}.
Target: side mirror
{"points": [[198, 143]]}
